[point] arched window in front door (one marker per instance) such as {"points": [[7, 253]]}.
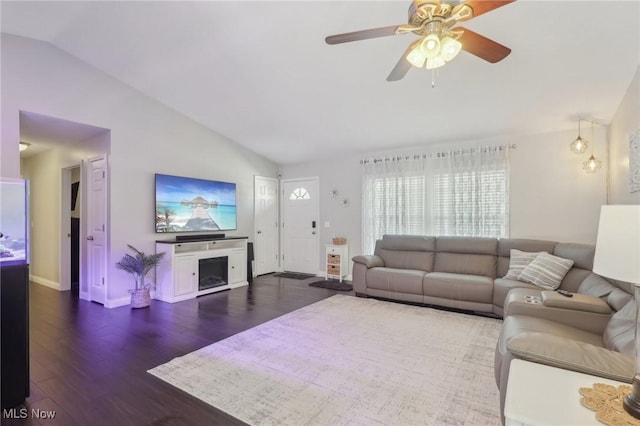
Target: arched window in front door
{"points": [[299, 194]]}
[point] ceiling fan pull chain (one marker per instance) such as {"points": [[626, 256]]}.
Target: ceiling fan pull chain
{"points": [[433, 78]]}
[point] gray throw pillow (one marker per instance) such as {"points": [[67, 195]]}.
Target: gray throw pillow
{"points": [[519, 260], [546, 271]]}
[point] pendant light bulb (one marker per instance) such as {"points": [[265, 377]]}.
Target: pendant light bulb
{"points": [[592, 165], [579, 146]]}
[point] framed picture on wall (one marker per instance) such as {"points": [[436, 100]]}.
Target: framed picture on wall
{"points": [[634, 161]]}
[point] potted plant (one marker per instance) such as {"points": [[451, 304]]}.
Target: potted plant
{"points": [[139, 266]]}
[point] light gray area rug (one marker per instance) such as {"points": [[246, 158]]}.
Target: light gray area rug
{"points": [[350, 361]]}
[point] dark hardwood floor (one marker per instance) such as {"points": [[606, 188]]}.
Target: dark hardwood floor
{"points": [[88, 363]]}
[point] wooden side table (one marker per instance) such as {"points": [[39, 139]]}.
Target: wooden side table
{"points": [[538, 394]]}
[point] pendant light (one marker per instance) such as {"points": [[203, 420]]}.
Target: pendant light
{"points": [[592, 165], [579, 146]]}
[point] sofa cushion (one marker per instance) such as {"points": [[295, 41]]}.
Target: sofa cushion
{"points": [[470, 264], [395, 280], [407, 242], [518, 261], [617, 299], [581, 254], [516, 324], [546, 271], [620, 332], [401, 259], [407, 251], [467, 245], [470, 288], [595, 285], [572, 355], [466, 255]]}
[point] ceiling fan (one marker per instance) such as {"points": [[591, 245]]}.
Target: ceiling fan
{"points": [[441, 40]]}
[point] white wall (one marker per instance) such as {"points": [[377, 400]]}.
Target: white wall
{"points": [[551, 196], [146, 137], [625, 121]]}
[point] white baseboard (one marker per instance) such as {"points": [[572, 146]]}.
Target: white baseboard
{"points": [[45, 282], [116, 303], [123, 301]]}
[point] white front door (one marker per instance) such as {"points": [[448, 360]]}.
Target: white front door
{"points": [[265, 247], [97, 228], [300, 225]]}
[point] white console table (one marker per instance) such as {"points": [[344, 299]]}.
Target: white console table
{"points": [[177, 275], [542, 395]]}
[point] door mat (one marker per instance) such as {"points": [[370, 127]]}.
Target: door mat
{"points": [[332, 285], [294, 275]]}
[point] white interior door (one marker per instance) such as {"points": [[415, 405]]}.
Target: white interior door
{"points": [[265, 246], [300, 225], [97, 228]]}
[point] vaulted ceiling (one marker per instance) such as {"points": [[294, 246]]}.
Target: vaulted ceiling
{"points": [[261, 74]]}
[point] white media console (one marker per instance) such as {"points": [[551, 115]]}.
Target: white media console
{"points": [[196, 267]]}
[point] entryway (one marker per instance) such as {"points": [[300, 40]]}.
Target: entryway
{"points": [[66, 165]]}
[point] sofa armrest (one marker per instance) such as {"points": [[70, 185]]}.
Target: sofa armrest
{"points": [[572, 355], [370, 261], [577, 302], [566, 310]]}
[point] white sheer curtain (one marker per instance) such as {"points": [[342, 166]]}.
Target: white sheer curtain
{"points": [[463, 192], [393, 198]]}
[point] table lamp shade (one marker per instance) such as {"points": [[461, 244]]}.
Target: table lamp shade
{"points": [[617, 254]]}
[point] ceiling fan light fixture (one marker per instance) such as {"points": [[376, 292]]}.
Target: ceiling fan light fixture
{"points": [[416, 57], [449, 48], [436, 62], [430, 46]]}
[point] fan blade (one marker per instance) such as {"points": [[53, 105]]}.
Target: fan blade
{"points": [[402, 67], [362, 35], [483, 6], [482, 47]]}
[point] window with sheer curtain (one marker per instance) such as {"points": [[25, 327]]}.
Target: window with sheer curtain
{"points": [[455, 193]]}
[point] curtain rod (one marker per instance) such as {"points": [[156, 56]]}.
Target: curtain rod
{"points": [[437, 154]]}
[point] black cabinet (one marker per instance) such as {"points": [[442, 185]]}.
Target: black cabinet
{"points": [[14, 340]]}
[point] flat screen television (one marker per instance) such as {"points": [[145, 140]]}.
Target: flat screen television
{"points": [[186, 204]]}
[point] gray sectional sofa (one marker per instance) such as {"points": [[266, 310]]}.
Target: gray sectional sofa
{"points": [[591, 332], [456, 272]]}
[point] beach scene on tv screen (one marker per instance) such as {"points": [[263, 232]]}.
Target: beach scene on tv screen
{"points": [[187, 204]]}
